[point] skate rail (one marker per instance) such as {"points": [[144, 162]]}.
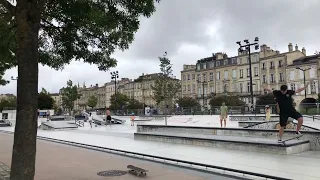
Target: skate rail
{"points": [[171, 161]]}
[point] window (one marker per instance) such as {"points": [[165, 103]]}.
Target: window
{"points": [[211, 76], [225, 75], [280, 63], [225, 88], [193, 76], [218, 75], [272, 80], [234, 74], [264, 79], [263, 66], [312, 73], [248, 72], [205, 90], [204, 77], [189, 88], [256, 71], [241, 87], [193, 88], [293, 87], [241, 73], [271, 65], [247, 60], [281, 77], [234, 61], [199, 90], [184, 77], [211, 65], [313, 88], [248, 86], [198, 66], [199, 77], [188, 77], [240, 60], [211, 89], [300, 74], [204, 65], [226, 62], [184, 88], [291, 75], [218, 63]]}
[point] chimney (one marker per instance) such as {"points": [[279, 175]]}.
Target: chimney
{"points": [[296, 47], [304, 51], [290, 48]]}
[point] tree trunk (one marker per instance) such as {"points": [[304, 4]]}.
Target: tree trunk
{"points": [[24, 147]]}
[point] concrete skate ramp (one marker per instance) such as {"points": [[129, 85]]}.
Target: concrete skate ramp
{"points": [[57, 125]]}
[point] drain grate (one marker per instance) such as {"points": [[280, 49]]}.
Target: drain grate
{"points": [[112, 173]]}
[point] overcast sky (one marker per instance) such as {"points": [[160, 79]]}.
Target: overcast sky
{"points": [[191, 30]]}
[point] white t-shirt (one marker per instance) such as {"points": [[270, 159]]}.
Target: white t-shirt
{"points": [[90, 118]]}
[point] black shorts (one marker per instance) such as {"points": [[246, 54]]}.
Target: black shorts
{"points": [[109, 118], [285, 115]]}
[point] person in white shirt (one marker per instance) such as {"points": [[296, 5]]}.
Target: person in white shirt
{"points": [[90, 119]]}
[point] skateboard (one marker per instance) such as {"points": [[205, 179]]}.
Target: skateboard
{"points": [[137, 171], [296, 137]]}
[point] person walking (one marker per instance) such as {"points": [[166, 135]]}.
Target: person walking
{"points": [[285, 103], [223, 114], [132, 118], [90, 119]]}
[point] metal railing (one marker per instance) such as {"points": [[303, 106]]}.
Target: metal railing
{"points": [[171, 161], [79, 123]]}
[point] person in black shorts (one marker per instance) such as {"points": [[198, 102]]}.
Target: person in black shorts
{"points": [[285, 103]]}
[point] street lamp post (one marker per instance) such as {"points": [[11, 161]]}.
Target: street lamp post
{"points": [[247, 47], [304, 79], [115, 76]]}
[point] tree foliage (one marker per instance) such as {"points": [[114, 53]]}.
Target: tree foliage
{"points": [[69, 95], [45, 101], [229, 100], [165, 87], [92, 101], [134, 104], [9, 102], [266, 99], [54, 33], [187, 102], [118, 101]]}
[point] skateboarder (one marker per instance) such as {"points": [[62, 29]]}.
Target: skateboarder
{"points": [[223, 114], [108, 118], [285, 102], [90, 119]]}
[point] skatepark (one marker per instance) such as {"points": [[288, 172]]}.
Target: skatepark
{"points": [[247, 145]]}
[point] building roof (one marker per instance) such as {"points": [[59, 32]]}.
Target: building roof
{"points": [[313, 59]]}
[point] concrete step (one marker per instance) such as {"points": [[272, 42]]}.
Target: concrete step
{"points": [[4, 124], [228, 142]]}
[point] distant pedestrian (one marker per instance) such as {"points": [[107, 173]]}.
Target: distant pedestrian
{"points": [[90, 119], [268, 113], [48, 115], [132, 118], [223, 114]]}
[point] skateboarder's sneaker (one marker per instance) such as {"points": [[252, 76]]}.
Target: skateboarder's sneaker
{"points": [[298, 133], [279, 141]]}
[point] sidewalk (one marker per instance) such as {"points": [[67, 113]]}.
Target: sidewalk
{"points": [[57, 161]]}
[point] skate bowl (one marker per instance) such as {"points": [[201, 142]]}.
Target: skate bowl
{"points": [[227, 135]]}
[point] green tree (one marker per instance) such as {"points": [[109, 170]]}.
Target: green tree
{"points": [[118, 101], [165, 88], [8, 102], [69, 95], [187, 102], [54, 33], [230, 100], [266, 99], [92, 101], [134, 104], [45, 101]]}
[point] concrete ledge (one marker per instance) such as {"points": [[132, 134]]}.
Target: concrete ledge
{"points": [[234, 143], [312, 136]]}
